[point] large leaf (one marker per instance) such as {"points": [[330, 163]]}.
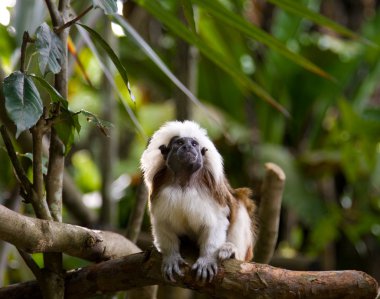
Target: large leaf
{"points": [[120, 67], [22, 101], [50, 49], [54, 94], [109, 75], [109, 6], [234, 20], [220, 60]]}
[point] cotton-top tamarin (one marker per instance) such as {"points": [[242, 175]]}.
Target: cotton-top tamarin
{"points": [[190, 196]]}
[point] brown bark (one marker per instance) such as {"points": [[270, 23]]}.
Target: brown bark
{"points": [[269, 212], [235, 279], [36, 235]]}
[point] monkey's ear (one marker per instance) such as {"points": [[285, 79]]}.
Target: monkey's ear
{"points": [[164, 150], [203, 151]]}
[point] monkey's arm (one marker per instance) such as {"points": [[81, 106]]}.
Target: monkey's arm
{"points": [[166, 240], [210, 240]]}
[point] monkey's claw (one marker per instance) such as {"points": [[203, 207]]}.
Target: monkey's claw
{"points": [[171, 265], [205, 267]]}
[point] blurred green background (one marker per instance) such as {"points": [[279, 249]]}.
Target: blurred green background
{"points": [[329, 146]]}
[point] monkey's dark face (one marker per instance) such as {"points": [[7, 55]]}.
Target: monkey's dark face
{"points": [[183, 155]]}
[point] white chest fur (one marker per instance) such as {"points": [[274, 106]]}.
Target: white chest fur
{"points": [[187, 211]]}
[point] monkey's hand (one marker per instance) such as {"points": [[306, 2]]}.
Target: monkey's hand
{"points": [[227, 251], [205, 267], [171, 265]]}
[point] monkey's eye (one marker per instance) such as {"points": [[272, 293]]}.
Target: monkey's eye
{"points": [[194, 143]]}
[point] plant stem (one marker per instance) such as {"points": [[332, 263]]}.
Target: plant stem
{"points": [[71, 22]]}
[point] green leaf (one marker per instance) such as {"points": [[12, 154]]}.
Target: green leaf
{"points": [[66, 126], [297, 8], [50, 49], [189, 13], [100, 41], [220, 60], [22, 101], [102, 125], [109, 6], [155, 58], [54, 94], [234, 20]]}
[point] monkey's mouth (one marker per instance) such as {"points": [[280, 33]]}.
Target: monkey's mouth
{"points": [[188, 156]]}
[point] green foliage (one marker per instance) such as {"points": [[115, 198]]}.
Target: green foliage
{"points": [[111, 54], [53, 93], [222, 61], [239, 72], [86, 173], [22, 101], [108, 6], [50, 49], [304, 12]]}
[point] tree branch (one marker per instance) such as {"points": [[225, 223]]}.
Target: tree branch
{"points": [[54, 178], [235, 279], [30, 263], [269, 212], [29, 194], [25, 40], [20, 173], [71, 22], [40, 206], [54, 13], [36, 235]]}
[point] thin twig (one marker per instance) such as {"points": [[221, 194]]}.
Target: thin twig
{"points": [[21, 175], [25, 40], [54, 13], [39, 206], [54, 178], [29, 261], [71, 22]]}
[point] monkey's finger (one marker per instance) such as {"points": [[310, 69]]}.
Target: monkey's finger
{"points": [[213, 269], [177, 269], [203, 273], [168, 273], [170, 277]]}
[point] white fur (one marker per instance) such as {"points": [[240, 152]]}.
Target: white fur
{"points": [[152, 159], [191, 212]]}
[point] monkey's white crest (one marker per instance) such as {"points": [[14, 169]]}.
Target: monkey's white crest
{"points": [[152, 159]]}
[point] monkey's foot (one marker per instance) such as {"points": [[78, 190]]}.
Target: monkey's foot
{"points": [[205, 267], [171, 265], [227, 251]]}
